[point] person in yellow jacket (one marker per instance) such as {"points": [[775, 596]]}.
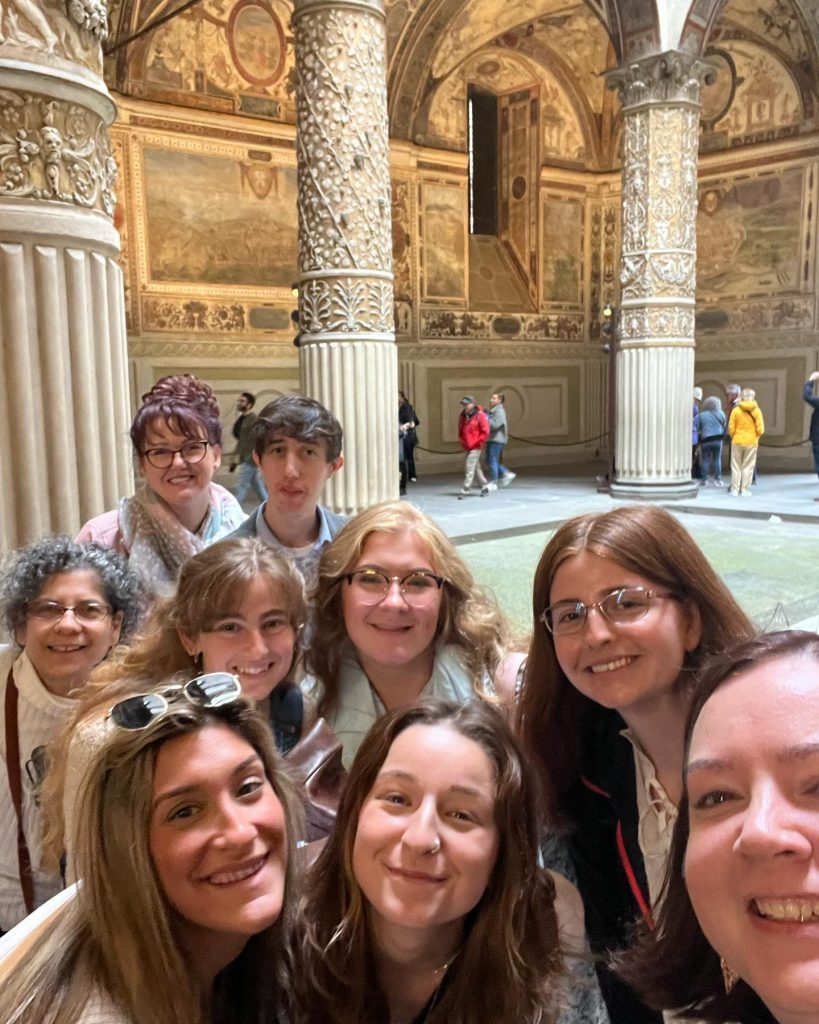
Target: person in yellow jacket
{"points": [[745, 427]]}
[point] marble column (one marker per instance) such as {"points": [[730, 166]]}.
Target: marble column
{"points": [[348, 356], [64, 397], [654, 359]]}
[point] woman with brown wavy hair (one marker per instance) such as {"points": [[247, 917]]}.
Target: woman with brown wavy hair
{"points": [[427, 903], [178, 510], [626, 607], [399, 616]]}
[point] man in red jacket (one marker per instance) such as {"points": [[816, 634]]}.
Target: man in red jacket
{"points": [[473, 430]]}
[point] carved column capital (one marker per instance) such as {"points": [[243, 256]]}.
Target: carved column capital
{"points": [[666, 78]]}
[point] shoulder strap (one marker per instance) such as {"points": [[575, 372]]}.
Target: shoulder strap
{"points": [[16, 787], [286, 716]]}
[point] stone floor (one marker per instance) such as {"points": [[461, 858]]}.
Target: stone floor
{"points": [[766, 547]]}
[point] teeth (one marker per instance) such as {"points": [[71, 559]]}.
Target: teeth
{"points": [[65, 648], [788, 910], [610, 666], [252, 671], [227, 877]]}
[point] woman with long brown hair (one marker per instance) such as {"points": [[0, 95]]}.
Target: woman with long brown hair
{"points": [[626, 608]]}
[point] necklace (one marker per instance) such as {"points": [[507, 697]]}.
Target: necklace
{"points": [[439, 973]]}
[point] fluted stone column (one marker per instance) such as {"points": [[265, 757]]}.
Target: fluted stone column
{"points": [[64, 399], [654, 363], [348, 356]]}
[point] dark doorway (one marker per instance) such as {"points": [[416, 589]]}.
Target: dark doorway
{"points": [[482, 107]]}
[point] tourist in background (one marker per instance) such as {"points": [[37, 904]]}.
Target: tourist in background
{"points": [[473, 430], [711, 430], [735, 939], [178, 510], [427, 903], [184, 843], [398, 617], [498, 439], [813, 401], [696, 468], [249, 473], [626, 608], [407, 423], [64, 606], [745, 426]]}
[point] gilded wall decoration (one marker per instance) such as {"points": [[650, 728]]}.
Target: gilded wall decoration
{"points": [[529, 326], [192, 315], [766, 104], [219, 221], [561, 249], [55, 150], [402, 239], [749, 235], [443, 218], [234, 58]]}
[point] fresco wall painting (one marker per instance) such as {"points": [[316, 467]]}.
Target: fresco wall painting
{"points": [[561, 250], [443, 233]]}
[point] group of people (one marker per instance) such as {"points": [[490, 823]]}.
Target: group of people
{"points": [[742, 428], [482, 433], [609, 819]]}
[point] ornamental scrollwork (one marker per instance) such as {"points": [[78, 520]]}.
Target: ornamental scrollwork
{"points": [[347, 306], [61, 31], [344, 195], [657, 323], [165, 315], [671, 77], [447, 323], [55, 150], [668, 275]]}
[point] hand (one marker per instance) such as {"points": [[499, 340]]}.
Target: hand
{"points": [[814, 375]]}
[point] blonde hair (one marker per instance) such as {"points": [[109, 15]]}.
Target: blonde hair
{"points": [[469, 617], [748, 394], [116, 939], [211, 586]]}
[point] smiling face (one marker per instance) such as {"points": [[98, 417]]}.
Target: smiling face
{"points": [[392, 633], [426, 842], [295, 473], [217, 836], [256, 642], [752, 862], [64, 652], [628, 666], [183, 484]]}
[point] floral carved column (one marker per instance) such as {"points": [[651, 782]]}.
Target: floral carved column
{"points": [[64, 398], [654, 363], [348, 353]]}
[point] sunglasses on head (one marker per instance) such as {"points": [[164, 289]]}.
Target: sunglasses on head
{"points": [[212, 690]]}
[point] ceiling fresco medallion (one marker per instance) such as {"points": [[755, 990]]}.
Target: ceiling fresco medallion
{"points": [[257, 42]]}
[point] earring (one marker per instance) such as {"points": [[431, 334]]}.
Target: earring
{"points": [[729, 977]]}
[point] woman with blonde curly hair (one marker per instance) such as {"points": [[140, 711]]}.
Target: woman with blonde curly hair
{"points": [[399, 616], [178, 510], [185, 844]]}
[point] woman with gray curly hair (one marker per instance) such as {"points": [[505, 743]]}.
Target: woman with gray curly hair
{"points": [[64, 606]]}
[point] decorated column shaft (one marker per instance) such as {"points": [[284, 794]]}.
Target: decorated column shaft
{"points": [[348, 354], [654, 363], [63, 403]]}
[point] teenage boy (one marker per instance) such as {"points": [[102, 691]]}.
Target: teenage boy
{"points": [[297, 448]]}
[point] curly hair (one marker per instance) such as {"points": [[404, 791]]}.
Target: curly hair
{"points": [[469, 617], [675, 965], [186, 404], [27, 570], [555, 720], [513, 928]]}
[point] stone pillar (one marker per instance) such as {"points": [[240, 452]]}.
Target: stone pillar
{"points": [[348, 355], [654, 362], [64, 410]]}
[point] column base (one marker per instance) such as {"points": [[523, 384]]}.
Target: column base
{"points": [[654, 491]]}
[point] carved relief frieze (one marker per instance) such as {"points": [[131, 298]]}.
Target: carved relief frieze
{"points": [[509, 352], [663, 274], [54, 33], [344, 196], [270, 353], [650, 324], [452, 324], [756, 315], [351, 305], [55, 150]]}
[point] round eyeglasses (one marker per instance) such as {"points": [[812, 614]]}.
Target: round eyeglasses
{"points": [[620, 607], [213, 690], [191, 452], [371, 586], [53, 611]]}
